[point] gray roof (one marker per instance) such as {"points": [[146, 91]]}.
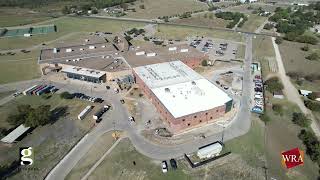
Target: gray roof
{"points": [[15, 134]]}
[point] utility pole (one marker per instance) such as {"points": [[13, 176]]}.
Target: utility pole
{"points": [[222, 134]]}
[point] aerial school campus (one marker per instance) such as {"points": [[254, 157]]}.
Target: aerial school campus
{"points": [[142, 90]]}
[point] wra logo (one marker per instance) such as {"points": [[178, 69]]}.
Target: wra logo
{"points": [[26, 156], [292, 158]]}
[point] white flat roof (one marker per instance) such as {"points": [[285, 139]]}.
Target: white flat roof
{"points": [[162, 74], [15, 134], [83, 71], [186, 92]]}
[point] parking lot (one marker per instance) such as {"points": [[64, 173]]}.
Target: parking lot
{"points": [[216, 49], [258, 97]]}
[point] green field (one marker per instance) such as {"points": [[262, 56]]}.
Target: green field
{"points": [[200, 20], [174, 32], [5, 94], [65, 26], [92, 156], [282, 135], [154, 9], [253, 22], [50, 142], [263, 51], [18, 67]]}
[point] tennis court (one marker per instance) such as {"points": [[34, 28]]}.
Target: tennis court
{"points": [[30, 30]]}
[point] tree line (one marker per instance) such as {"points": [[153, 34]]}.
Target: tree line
{"points": [[234, 17]]}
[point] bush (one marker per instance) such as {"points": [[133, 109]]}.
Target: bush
{"points": [[312, 105], [273, 85], [279, 40], [142, 6], [305, 48], [300, 119], [313, 57], [277, 108], [312, 96], [307, 39], [204, 63], [265, 118], [268, 26], [66, 95], [312, 144]]}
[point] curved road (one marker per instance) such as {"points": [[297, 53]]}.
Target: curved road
{"points": [[238, 127]]}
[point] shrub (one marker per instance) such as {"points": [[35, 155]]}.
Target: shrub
{"points": [[142, 6], [268, 26], [305, 48], [314, 106], [273, 85], [279, 40], [312, 96], [277, 108], [66, 95], [300, 119], [265, 118], [313, 57], [204, 63]]}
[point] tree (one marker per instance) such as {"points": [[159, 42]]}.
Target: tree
{"points": [[265, 118], [305, 48], [279, 40], [312, 96], [142, 6], [300, 119], [268, 26], [39, 116], [19, 116], [204, 63], [313, 56], [273, 85], [312, 105], [277, 108], [66, 95]]}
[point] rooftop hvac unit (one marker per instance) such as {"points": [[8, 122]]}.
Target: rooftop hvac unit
{"points": [[87, 40], [81, 49], [151, 54], [172, 48], [92, 47], [27, 35], [55, 50], [69, 50], [103, 46], [184, 50], [140, 53]]}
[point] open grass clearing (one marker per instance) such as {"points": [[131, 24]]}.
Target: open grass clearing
{"points": [[50, 142], [68, 25], [201, 20], [241, 50], [92, 156], [282, 135], [294, 58], [20, 16], [174, 32], [263, 52], [5, 94], [154, 9], [254, 21]]}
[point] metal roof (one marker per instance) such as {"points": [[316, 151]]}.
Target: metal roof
{"points": [[15, 134]]}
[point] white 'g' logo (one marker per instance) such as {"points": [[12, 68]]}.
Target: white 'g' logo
{"points": [[25, 156]]}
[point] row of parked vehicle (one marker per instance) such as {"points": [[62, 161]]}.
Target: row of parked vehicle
{"points": [[195, 43], [258, 94], [39, 90], [87, 98], [173, 164]]}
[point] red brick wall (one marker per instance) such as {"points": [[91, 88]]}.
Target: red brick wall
{"points": [[181, 123]]}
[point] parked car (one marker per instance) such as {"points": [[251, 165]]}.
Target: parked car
{"points": [[131, 119], [164, 166], [99, 120], [16, 94], [122, 101], [173, 164]]}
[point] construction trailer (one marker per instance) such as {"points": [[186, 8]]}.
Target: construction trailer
{"points": [[210, 150], [15, 134]]}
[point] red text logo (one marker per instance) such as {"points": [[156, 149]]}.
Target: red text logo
{"points": [[292, 158]]}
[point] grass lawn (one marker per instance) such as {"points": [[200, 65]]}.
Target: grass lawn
{"points": [[119, 165], [282, 135], [20, 16], [154, 9], [92, 156], [19, 67], [263, 51], [251, 145], [174, 32], [294, 58], [241, 51], [200, 20], [254, 21], [5, 94], [50, 142], [68, 25]]}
